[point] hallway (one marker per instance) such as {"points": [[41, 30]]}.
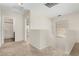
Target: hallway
{"points": [[49, 31]]}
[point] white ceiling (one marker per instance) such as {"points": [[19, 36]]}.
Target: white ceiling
{"points": [[61, 8], [25, 5]]}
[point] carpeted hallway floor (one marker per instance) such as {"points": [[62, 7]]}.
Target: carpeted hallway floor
{"points": [[25, 49]]}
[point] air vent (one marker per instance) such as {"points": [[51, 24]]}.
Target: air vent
{"points": [[50, 4]]}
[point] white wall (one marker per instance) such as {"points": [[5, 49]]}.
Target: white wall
{"points": [[73, 23], [19, 27]]}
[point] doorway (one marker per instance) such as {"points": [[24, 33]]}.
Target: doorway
{"points": [[9, 33]]}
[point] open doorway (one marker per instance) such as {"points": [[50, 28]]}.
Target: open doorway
{"points": [[9, 34]]}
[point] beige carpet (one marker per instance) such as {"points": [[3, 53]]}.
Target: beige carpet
{"points": [[75, 50], [23, 49]]}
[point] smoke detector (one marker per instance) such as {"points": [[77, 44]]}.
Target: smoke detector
{"points": [[51, 4]]}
